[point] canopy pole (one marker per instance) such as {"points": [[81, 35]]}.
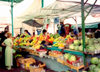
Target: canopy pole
{"points": [[12, 17], [83, 27], [91, 9], [42, 3]]}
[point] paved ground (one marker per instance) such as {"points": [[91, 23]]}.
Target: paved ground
{"points": [[13, 70]]}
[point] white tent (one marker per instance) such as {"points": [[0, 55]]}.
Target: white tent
{"points": [[21, 11]]}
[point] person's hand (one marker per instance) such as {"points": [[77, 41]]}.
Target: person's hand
{"points": [[3, 44]]}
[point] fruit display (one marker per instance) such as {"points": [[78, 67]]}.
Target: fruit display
{"points": [[69, 39]]}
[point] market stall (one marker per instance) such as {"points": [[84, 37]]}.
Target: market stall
{"points": [[68, 51]]}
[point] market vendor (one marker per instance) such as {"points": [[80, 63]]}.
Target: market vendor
{"points": [[33, 35], [97, 33], [63, 30], [43, 45], [27, 32], [44, 36], [80, 33]]}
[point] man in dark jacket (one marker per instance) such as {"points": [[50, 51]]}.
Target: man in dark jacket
{"points": [[63, 31], [2, 38], [97, 33]]}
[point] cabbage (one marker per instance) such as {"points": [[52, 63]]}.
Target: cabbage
{"points": [[91, 41], [94, 60], [76, 42], [92, 67], [99, 40], [71, 46], [72, 58], [98, 65], [90, 48], [97, 46], [96, 69], [90, 71], [80, 48], [86, 41], [99, 61], [67, 55], [76, 48]]}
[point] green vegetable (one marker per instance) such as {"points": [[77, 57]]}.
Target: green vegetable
{"points": [[96, 69], [76, 42], [67, 55], [90, 48], [99, 61], [71, 46], [80, 48], [98, 66], [72, 58], [92, 67], [84, 71], [56, 36], [94, 60], [76, 48]]}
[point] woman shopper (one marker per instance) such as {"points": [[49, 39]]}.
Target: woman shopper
{"points": [[8, 51]]}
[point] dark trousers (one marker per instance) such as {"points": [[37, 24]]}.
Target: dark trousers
{"points": [[3, 57]]}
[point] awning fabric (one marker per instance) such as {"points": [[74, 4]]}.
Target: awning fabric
{"points": [[33, 23]]}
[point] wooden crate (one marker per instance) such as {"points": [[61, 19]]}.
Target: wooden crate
{"points": [[60, 60], [32, 69], [74, 67]]}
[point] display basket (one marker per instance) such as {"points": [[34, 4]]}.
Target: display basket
{"points": [[36, 69], [42, 52]]}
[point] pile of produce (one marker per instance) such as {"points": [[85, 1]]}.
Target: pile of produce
{"points": [[55, 53], [92, 44], [69, 39], [59, 42], [95, 65], [76, 46], [71, 58]]}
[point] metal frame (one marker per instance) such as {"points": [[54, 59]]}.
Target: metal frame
{"points": [[12, 17]]}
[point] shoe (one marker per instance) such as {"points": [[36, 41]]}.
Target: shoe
{"points": [[9, 68]]}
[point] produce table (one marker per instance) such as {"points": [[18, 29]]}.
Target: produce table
{"points": [[73, 67], [66, 51]]}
